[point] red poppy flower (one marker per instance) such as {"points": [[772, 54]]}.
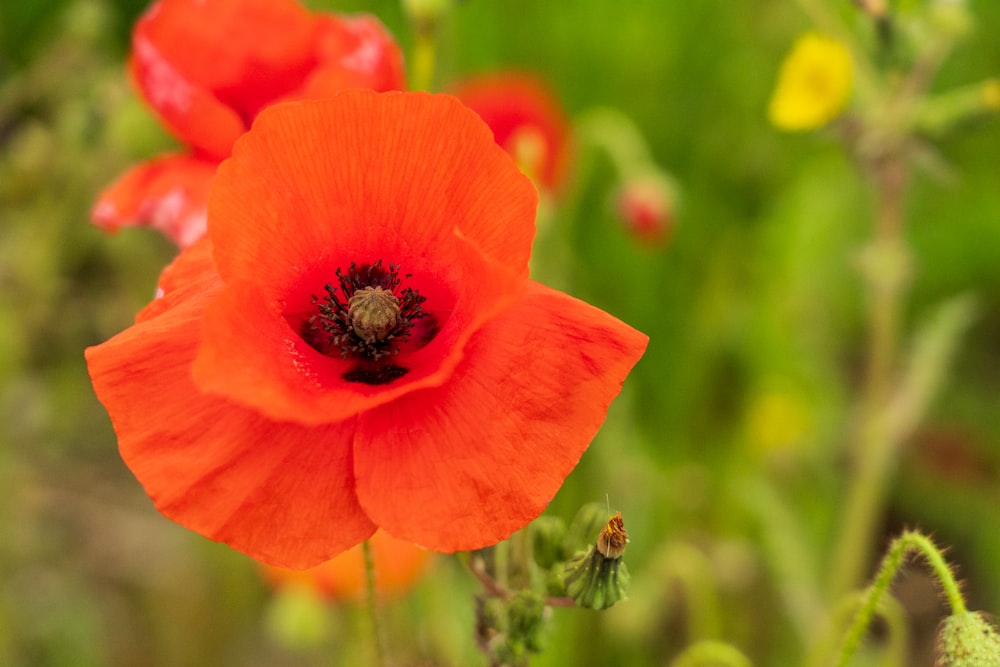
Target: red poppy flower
{"points": [[208, 67], [356, 342], [398, 565], [527, 121]]}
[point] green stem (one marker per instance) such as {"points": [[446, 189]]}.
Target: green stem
{"points": [[424, 56], [371, 601], [904, 545], [620, 138], [886, 271]]}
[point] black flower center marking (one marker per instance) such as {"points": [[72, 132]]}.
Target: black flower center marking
{"points": [[365, 317]]}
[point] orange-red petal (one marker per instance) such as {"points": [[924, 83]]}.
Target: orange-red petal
{"points": [[209, 67], [362, 175], [189, 276], [169, 193], [354, 52], [281, 493], [254, 355], [463, 465], [192, 113], [526, 120], [318, 185]]}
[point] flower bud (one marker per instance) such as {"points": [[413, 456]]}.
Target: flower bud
{"points": [[967, 640], [510, 630], [526, 620], [647, 204], [598, 578], [548, 537]]}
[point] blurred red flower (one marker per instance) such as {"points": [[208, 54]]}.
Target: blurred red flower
{"points": [[207, 68], [356, 342], [398, 566], [647, 205], [527, 121]]}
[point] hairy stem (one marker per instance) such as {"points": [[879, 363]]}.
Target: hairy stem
{"points": [[908, 543]]}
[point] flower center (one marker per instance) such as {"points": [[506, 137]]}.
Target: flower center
{"points": [[374, 313], [365, 317]]}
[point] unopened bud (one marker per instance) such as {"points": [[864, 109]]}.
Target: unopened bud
{"points": [[526, 620], [548, 536], [967, 640], [647, 205]]}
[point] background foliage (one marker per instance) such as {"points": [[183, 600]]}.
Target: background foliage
{"points": [[725, 451]]}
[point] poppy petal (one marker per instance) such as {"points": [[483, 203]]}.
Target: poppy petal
{"points": [[526, 119], [209, 67], [354, 52], [306, 199], [281, 493], [363, 175], [169, 193], [253, 355], [463, 465], [192, 113]]}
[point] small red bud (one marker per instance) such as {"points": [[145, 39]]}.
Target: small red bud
{"points": [[647, 205]]}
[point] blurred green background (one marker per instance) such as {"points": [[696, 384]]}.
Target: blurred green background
{"points": [[724, 452]]}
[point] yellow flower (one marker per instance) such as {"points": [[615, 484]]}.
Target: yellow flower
{"points": [[813, 84]]}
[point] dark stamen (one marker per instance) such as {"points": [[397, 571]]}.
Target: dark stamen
{"points": [[366, 316], [375, 375]]}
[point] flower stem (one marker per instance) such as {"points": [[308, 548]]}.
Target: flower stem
{"points": [[378, 643], [904, 545], [885, 268], [424, 56], [492, 587]]}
